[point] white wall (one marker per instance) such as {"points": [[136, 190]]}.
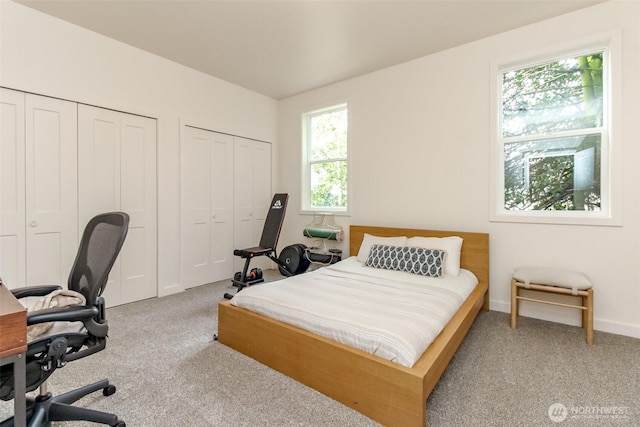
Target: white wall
{"points": [[420, 134], [44, 55]]}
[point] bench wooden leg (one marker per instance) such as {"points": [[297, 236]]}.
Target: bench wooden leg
{"points": [[585, 296], [514, 303], [587, 316]]}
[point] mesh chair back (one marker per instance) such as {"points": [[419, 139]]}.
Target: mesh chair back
{"points": [[101, 242], [273, 223]]}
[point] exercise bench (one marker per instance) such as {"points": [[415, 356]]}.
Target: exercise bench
{"points": [[266, 247]]}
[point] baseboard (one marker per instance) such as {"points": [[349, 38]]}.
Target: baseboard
{"points": [[170, 289], [566, 316]]}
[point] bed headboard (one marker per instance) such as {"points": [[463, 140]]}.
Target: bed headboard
{"points": [[475, 246]]}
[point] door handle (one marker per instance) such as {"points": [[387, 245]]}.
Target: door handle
{"points": [[33, 223]]}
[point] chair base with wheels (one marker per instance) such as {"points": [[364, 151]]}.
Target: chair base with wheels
{"points": [[46, 407]]}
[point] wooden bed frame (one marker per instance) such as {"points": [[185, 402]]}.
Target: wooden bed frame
{"points": [[387, 392]]}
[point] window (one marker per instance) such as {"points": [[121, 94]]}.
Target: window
{"points": [[325, 165], [553, 138]]}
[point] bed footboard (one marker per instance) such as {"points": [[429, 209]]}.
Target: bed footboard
{"points": [[384, 391]]}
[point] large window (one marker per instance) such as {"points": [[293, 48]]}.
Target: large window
{"points": [[553, 137], [325, 165]]}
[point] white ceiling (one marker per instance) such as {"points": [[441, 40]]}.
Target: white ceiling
{"points": [[280, 48]]}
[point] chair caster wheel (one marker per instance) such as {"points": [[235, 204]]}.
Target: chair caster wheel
{"points": [[108, 391], [120, 424]]}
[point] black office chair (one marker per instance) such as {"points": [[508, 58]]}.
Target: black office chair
{"points": [[101, 242]]}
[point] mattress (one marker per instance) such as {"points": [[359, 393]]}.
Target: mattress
{"points": [[391, 314]]}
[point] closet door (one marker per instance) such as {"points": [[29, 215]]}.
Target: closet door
{"points": [[117, 170], [12, 190], [206, 188], [243, 233], [261, 186], [38, 197], [252, 195], [195, 202], [50, 189], [222, 206], [138, 198]]}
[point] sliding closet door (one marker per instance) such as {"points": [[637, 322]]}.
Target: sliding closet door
{"points": [[206, 189], [12, 190], [117, 170]]}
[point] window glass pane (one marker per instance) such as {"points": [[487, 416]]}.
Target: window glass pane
{"points": [[558, 174], [329, 184], [553, 97], [328, 135]]}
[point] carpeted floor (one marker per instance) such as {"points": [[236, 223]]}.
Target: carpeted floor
{"points": [[169, 372]]}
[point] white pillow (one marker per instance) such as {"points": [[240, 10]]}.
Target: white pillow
{"points": [[370, 240], [452, 245]]}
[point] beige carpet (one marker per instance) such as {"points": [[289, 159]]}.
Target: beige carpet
{"points": [[169, 372]]}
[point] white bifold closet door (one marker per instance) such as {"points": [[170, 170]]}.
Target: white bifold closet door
{"points": [[252, 195], [38, 191], [206, 199], [117, 172], [12, 189]]}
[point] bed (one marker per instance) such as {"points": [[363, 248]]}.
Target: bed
{"points": [[384, 391]]}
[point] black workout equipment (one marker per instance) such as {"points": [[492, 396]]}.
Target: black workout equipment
{"points": [[267, 247], [255, 274], [293, 259]]}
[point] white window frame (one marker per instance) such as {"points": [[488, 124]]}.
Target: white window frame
{"points": [[611, 163], [307, 162]]}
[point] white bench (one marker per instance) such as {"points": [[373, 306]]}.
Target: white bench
{"points": [[556, 281]]}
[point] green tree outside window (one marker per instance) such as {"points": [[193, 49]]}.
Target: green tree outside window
{"points": [[552, 121], [327, 158]]}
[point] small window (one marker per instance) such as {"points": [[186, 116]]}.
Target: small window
{"points": [[325, 160], [553, 137]]}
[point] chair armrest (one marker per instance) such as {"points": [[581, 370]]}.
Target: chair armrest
{"points": [[34, 291], [77, 313]]}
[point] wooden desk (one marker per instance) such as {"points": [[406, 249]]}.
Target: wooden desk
{"points": [[13, 345]]}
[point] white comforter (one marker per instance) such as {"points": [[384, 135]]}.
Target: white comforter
{"points": [[394, 315]]}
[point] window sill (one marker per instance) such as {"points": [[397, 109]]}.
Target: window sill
{"points": [[558, 218], [312, 212]]}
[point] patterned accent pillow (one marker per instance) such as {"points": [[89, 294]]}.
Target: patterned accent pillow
{"points": [[426, 262]]}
